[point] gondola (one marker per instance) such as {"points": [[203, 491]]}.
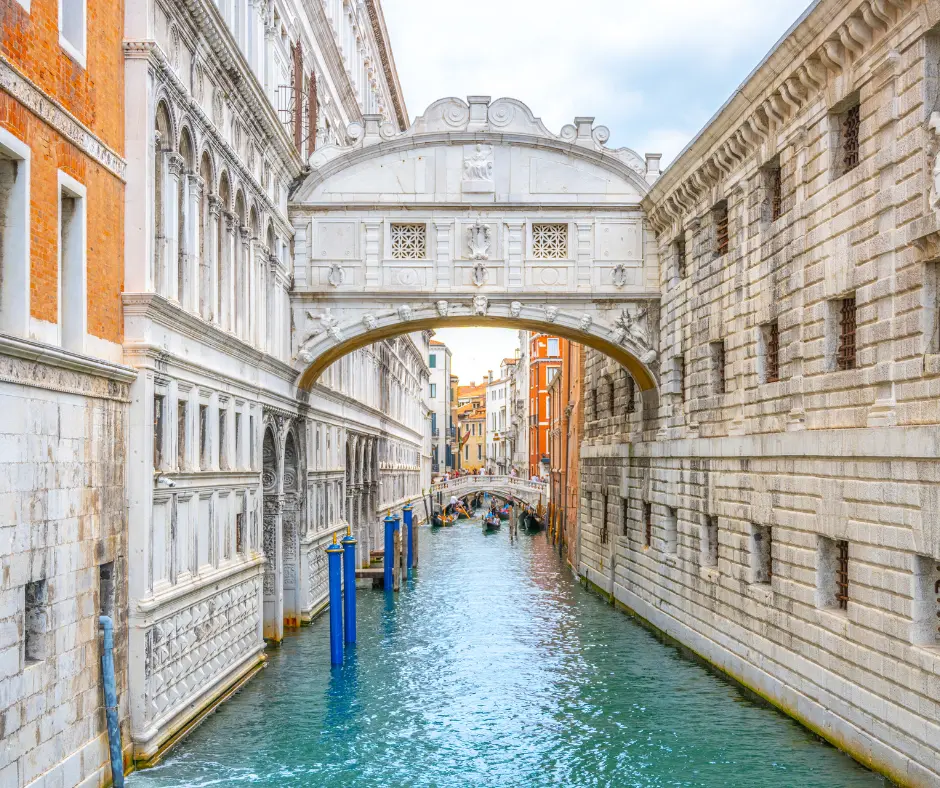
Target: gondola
{"points": [[491, 522], [504, 513]]}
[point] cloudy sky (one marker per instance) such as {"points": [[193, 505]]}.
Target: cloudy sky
{"points": [[653, 72]]}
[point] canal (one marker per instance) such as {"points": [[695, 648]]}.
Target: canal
{"points": [[494, 667]]}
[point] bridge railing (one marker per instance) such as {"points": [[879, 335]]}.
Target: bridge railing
{"points": [[477, 482]]}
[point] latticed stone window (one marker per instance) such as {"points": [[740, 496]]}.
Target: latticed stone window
{"points": [[849, 137], [847, 323], [409, 241], [550, 241], [771, 339]]}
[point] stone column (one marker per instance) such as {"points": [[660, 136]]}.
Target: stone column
{"points": [[158, 272], [171, 204], [269, 84], [209, 295], [226, 270], [193, 261]]}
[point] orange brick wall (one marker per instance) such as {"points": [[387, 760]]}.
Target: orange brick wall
{"points": [[31, 43]]}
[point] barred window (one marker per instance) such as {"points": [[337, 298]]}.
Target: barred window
{"points": [[604, 521], [680, 257], [550, 241], [647, 524], [849, 137], [624, 515], [842, 574], [718, 365], [679, 366], [847, 324], [409, 241], [771, 337], [720, 216]]}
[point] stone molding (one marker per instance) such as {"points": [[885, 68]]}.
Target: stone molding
{"points": [[29, 363], [388, 64], [63, 122]]}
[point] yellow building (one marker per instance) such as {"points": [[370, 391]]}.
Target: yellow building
{"points": [[471, 426]]}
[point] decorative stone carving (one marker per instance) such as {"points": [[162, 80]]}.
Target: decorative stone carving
{"points": [[634, 326], [478, 241], [328, 324], [551, 313], [515, 309], [480, 274], [217, 108], [480, 305], [478, 170], [369, 322], [405, 312], [933, 150], [337, 275], [585, 323], [442, 308], [619, 275]]}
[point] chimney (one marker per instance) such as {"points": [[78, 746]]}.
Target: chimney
{"points": [[490, 376]]}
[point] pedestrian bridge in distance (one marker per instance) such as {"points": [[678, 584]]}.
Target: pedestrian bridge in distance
{"points": [[521, 490]]}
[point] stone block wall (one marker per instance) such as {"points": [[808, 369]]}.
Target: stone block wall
{"points": [[754, 501], [62, 453]]}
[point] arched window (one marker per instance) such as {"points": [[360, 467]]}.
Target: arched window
{"points": [[163, 137], [222, 255]]}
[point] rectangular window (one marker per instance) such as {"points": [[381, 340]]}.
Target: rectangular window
{"points": [[678, 363], [240, 533], [605, 530], [770, 339], [72, 28], [710, 541], [718, 366], [850, 123], [181, 411], [720, 219], [624, 515], [926, 601], [251, 442], [223, 448], [479, 451], [647, 524], [432, 361], [14, 234], [158, 404], [204, 436], [550, 374], [550, 241], [433, 423], [773, 190], [845, 359], [680, 257], [671, 532], [832, 573], [409, 241], [36, 623], [433, 391], [761, 554], [238, 439], [106, 587], [71, 288], [553, 347]]}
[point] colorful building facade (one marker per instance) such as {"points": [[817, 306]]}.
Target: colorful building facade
{"points": [[546, 356]]}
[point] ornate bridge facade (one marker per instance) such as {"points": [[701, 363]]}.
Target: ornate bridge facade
{"points": [[522, 490], [476, 215]]}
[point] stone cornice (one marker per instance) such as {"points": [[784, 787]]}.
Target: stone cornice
{"points": [[833, 38], [164, 312], [53, 113], [30, 363], [377, 18]]}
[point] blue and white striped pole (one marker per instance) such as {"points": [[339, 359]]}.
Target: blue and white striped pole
{"points": [[388, 561], [409, 516], [334, 555], [349, 586]]}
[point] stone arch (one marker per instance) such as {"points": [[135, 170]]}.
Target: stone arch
{"points": [[164, 123], [273, 599], [187, 148], [623, 337], [225, 190]]}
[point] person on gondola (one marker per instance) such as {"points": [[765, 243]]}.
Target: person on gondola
{"points": [[452, 506]]}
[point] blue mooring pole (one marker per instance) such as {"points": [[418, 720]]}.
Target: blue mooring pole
{"points": [[409, 515], [349, 586], [110, 702], [334, 555], [388, 560]]}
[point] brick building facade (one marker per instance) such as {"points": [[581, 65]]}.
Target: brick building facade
{"points": [[545, 359]]}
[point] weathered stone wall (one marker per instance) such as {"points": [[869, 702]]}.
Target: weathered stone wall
{"points": [[62, 454], [822, 455]]}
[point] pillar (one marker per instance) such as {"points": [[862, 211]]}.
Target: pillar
{"points": [[171, 224], [210, 262]]}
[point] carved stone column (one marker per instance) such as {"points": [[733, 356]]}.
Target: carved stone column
{"points": [[171, 223], [241, 293], [209, 290]]}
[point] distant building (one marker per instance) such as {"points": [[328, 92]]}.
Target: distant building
{"points": [[453, 440], [566, 428], [439, 400], [545, 360], [471, 425], [498, 419], [519, 414]]}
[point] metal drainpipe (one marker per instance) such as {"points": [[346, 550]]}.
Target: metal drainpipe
{"points": [[110, 702]]}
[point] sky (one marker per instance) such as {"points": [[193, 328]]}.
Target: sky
{"points": [[653, 72]]}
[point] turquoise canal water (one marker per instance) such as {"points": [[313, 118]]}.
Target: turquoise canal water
{"points": [[494, 667]]}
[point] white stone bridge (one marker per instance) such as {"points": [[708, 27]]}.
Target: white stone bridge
{"points": [[510, 487], [476, 215]]}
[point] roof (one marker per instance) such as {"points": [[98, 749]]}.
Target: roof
{"points": [[496, 382], [437, 343], [510, 360]]}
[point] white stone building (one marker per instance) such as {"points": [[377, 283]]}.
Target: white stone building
{"points": [[439, 400], [234, 482], [519, 414], [498, 411]]}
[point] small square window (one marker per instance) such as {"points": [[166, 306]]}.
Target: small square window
{"points": [[409, 241], [550, 241]]}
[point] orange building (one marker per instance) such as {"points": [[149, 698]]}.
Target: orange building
{"points": [[565, 432], [471, 426], [546, 356]]}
